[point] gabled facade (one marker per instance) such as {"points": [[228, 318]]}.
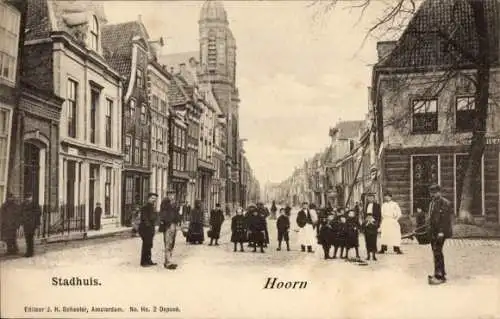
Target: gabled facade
{"points": [[64, 55], [159, 81], [425, 129], [127, 49]]}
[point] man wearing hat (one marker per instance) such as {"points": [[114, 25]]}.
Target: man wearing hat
{"points": [[390, 231], [147, 229], [439, 217]]}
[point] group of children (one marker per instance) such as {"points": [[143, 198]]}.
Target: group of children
{"points": [[336, 228], [341, 230]]}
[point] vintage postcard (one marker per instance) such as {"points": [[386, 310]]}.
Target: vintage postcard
{"points": [[250, 159]]}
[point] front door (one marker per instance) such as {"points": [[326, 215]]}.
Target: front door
{"points": [[32, 171], [425, 173]]}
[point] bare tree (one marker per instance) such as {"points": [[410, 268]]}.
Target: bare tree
{"points": [[471, 63]]}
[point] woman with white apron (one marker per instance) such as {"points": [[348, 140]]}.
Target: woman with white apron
{"points": [[307, 219], [389, 228]]}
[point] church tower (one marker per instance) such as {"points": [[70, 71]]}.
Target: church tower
{"points": [[218, 66]]}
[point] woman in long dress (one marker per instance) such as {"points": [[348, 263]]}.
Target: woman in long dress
{"points": [[195, 233], [389, 228]]}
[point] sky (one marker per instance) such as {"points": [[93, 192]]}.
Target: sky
{"points": [[298, 72]]}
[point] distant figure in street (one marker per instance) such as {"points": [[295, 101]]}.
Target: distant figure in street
{"points": [[352, 234], [371, 222], [147, 229], [326, 236], [307, 219], [216, 220], [288, 210], [389, 227], [274, 209], [228, 211], [257, 228], [10, 223], [30, 221], [195, 232], [238, 229], [439, 215], [169, 218], [283, 226], [97, 216]]}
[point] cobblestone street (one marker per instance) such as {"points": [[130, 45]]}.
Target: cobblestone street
{"points": [[398, 282]]}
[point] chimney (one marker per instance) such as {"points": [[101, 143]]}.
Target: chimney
{"points": [[384, 48]]}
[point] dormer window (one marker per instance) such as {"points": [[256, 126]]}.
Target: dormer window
{"points": [[94, 34]]}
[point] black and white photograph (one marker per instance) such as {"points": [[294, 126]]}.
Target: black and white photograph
{"points": [[250, 159]]}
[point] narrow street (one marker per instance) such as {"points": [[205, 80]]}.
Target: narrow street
{"points": [[223, 282]]}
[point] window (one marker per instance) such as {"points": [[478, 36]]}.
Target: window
{"points": [[159, 141], [140, 79], [132, 107], [145, 150], [128, 148], [137, 152], [163, 107], [425, 172], [94, 104], [109, 112], [143, 113], [9, 41], [154, 130], [94, 34], [155, 102], [465, 113], [425, 116], [5, 115], [107, 192], [71, 103]]}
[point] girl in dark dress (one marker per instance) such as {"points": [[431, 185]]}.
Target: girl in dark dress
{"points": [[352, 234], [238, 229], [326, 236], [195, 233], [257, 228], [338, 228]]}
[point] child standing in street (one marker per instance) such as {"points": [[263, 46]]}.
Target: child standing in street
{"points": [[352, 234], [283, 226], [238, 229], [371, 233], [338, 227], [326, 236]]}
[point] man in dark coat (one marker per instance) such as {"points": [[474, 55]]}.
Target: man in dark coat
{"points": [[216, 220], [10, 223], [440, 228], [30, 221], [97, 216], [147, 229], [169, 218]]}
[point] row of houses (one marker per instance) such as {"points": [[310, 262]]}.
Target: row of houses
{"points": [[93, 112], [420, 120]]}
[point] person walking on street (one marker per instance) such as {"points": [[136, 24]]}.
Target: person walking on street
{"points": [[195, 232], [97, 216], [169, 218], [216, 220], [439, 217], [274, 209], [389, 227], [30, 221], [147, 229], [10, 223]]}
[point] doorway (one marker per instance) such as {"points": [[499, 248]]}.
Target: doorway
{"points": [[31, 171]]}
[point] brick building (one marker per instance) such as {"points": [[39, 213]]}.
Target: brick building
{"points": [[423, 129], [127, 50], [64, 55], [11, 39]]}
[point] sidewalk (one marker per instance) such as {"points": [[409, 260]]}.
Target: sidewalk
{"points": [[76, 236]]}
